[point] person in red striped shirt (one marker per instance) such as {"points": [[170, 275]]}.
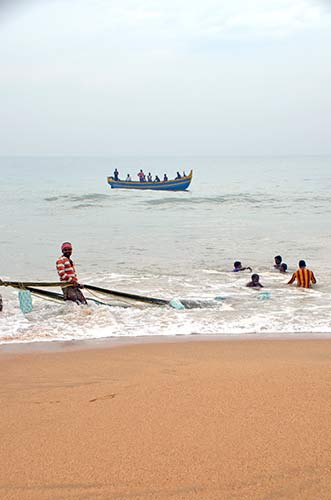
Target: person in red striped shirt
{"points": [[303, 276], [67, 273]]}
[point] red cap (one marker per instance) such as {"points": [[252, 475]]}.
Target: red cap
{"points": [[65, 245]]}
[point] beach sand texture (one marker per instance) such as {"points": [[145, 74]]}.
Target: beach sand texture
{"points": [[202, 420]]}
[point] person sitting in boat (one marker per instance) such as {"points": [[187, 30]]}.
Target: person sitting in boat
{"points": [[67, 274], [178, 176], [255, 282], [149, 177], [283, 268], [237, 266], [116, 172], [128, 178], [165, 178], [278, 261], [157, 179], [141, 176], [184, 175]]}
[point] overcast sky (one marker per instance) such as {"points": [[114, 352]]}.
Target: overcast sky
{"points": [[165, 77]]}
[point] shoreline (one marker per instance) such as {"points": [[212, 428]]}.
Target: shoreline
{"points": [[113, 342]]}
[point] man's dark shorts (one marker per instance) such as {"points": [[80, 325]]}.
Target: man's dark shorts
{"points": [[74, 294]]}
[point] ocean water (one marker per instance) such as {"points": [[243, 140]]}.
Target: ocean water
{"points": [[168, 245]]}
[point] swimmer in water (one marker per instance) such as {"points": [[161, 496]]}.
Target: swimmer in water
{"points": [[278, 261], [255, 283], [283, 268], [237, 266]]}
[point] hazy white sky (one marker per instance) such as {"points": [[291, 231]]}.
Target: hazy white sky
{"points": [[185, 77]]}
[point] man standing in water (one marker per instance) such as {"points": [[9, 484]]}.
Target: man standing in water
{"points": [[67, 273], [303, 276]]}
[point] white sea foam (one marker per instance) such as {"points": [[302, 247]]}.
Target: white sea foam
{"points": [[237, 312]]}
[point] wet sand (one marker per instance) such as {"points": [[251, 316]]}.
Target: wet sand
{"points": [[176, 420]]}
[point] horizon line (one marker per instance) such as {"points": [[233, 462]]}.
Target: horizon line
{"points": [[160, 155]]}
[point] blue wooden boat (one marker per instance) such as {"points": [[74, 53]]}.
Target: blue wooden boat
{"points": [[172, 185]]}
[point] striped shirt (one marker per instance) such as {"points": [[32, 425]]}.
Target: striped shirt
{"points": [[304, 277], [66, 269]]}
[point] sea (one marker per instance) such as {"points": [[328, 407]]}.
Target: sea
{"points": [[169, 245]]}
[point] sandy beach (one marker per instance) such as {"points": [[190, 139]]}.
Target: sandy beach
{"points": [[177, 420]]}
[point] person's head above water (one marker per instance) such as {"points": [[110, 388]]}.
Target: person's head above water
{"points": [[278, 260], [66, 248], [237, 264], [255, 282], [283, 268], [302, 264]]}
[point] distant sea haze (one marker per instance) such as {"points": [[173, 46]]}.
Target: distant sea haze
{"points": [[168, 245]]}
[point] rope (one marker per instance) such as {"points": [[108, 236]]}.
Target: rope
{"points": [[46, 298], [121, 300], [130, 296], [130, 303]]}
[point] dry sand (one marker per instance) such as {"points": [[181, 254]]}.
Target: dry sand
{"points": [[194, 420]]}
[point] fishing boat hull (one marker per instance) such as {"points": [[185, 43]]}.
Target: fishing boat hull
{"points": [[172, 185]]}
